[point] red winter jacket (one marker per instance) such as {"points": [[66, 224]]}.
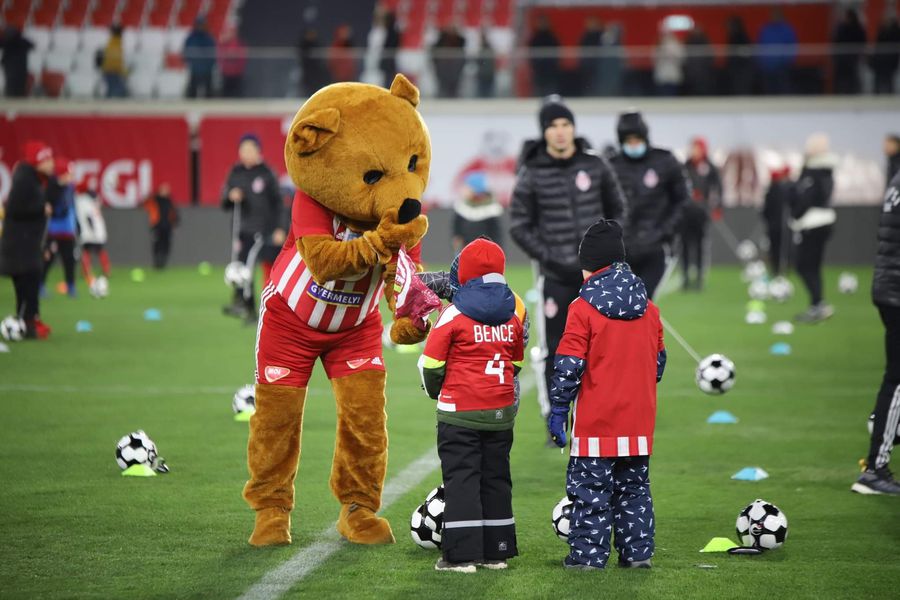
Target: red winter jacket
{"points": [[608, 362]]}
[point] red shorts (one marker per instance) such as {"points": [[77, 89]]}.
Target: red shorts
{"points": [[287, 348]]}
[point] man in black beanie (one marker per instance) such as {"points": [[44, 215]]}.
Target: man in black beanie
{"points": [[562, 188], [657, 189]]}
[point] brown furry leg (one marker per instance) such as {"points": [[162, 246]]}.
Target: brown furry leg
{"points": [[360, 457], [273, 452]]}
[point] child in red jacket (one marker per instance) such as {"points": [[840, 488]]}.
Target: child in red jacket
{"points": [[608, 363], [469, 364]]}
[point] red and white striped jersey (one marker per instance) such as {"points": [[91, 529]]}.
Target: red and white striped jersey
{"points": [[335, 305]]}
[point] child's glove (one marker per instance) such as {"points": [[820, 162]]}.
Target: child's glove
{"points": [[557, 427]]}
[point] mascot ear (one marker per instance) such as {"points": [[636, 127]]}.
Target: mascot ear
{"points": [[403, 88], [312, 132]]}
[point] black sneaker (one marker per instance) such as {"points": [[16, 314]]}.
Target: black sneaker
{"points": [[235, 310], [570, 563], [460, 567], [876, 481], [635, 564], [815, 313]]}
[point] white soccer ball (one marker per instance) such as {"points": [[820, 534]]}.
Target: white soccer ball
{"points": [[754, 270], [759, 290], [135, 449], [747, 251], [715, 374], [244, 399], [427, 522], [237, 274], [12, 329], [871, 426], [762, 525], [99, 287], [781, 289], [848, 283], [561, 518]]}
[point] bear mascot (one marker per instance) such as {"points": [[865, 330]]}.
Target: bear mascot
{"points": [[359, 156]]}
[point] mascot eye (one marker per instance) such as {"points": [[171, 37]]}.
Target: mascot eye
{"points": [[373, 177], [412, 163]]}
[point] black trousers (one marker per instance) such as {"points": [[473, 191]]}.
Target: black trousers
{"points": [[478, 519], [887, 404], [810, 254], [200, 80], [693, 240], [555, 299], [251, 246], [649, 266], [27, 286], [162, 245], [64, 248]]}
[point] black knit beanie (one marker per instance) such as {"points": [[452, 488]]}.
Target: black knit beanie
{"points": [[601, 246], [554, 108]]}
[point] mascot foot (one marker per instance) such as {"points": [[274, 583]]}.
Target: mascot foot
{"points": [[273, 527], [361, 526]]}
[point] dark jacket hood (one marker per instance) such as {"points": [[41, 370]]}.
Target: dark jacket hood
{"points": [[534, 152], [490, 302], [616, 292]]}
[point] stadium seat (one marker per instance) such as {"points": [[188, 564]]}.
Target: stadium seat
{"points": [[75, 13], [94, 38], [175, 39], [174, 60], [147, 62], [129, 42], [188, 12], [52, 83], [65, 39], [35, 62], [171, 84], [132, 14], [2, 83], [82, 84], [16, 12], [40, 37], [85, 61], [103, 14], [152, 40], [160, 13], [140, 84], [58, 62]]}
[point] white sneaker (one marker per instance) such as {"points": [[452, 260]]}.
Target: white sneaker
{"points": [[460, 567], [493, 565]]}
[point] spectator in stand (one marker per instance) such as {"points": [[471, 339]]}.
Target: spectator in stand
{"points": [[32, 196], [777, 46], [739, 64], [15, 48], [163, 217], [113, 64], [200, 57], [668, 59], [61, 229], [232, 56], [612, 63], [342, 61], [892, 154], [591, 61], [388, 61], [544, 67], [448, 58], [886, 55], [775, 212], [312, 63], [476, 213], [486, 67], [849, 41], [699, 65]]}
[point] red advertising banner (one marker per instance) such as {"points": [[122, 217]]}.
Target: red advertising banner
{"points": [[219, 137], [128, 156]]}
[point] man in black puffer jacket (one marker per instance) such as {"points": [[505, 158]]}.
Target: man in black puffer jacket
{"points": [[562, 188], [656, 187], [877, 477]]}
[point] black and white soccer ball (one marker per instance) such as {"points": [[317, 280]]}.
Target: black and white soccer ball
{"points": [[237, 274], [871, 426], [754, 270], [561, 516], [848, 283], [426, 525], [781, 289], [715, 374], [136, 448], [244, 399], [758, 289], [762, 525], [12, 329], [747, 251], [99, 287]]}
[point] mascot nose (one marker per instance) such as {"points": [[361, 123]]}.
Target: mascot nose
{"points": [[409, 210]]}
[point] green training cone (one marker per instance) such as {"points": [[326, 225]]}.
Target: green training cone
{"points": [[141, 470], [719, 544], [244, 415]]}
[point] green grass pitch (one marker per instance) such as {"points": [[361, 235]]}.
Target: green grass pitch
{"points": [[72, 527]]}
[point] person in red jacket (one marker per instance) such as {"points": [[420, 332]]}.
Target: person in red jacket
{"points": [[469, 364], [608, 363]]}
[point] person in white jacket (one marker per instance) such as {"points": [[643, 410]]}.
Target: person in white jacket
{"points": [[92, 236]]}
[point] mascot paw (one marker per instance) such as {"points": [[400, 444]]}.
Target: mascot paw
{"points": [[361, 526], [394, 234], [273, 527], [404, 331]]}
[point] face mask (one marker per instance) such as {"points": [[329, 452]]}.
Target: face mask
{"points": [[635, 150]]}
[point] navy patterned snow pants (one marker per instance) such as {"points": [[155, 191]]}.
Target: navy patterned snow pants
{"points": [[610, 493]]}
